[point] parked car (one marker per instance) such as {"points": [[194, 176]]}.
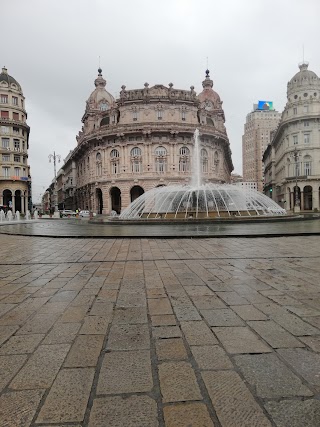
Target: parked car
{"points": [[67, 213], [86, 214]]}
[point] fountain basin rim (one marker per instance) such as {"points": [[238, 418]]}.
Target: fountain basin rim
{"points": [[220, 220]]}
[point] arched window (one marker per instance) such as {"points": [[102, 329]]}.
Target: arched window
{"points": [[184, 161], [204, 160], [114, 153], [184, 151], [105, 121], [160, 151], [161, 160], [136, 161], [210, 122], [136, 151], [104, 106], [98, 164]]}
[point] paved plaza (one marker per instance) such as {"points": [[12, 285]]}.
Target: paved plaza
{"points": [[159, 332]]}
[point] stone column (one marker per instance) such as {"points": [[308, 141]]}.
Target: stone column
{"points": [[13, 203], [1, 200], [23, 201], [287, 199], [301, 200], [315, 197]]}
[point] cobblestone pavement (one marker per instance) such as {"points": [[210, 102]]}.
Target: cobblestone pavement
{"points": [[155, 332]]}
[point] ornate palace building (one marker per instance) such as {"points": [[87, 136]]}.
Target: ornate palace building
{"points": [[15, 180], [292, 159], [143, 140]]}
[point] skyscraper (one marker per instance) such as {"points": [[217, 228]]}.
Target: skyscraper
{"points": [[262, 120]]}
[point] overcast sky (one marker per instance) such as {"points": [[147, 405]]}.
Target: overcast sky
{"points": [[52, 48]]}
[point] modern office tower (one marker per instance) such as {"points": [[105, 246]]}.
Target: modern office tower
{"points": [[262, 120]]}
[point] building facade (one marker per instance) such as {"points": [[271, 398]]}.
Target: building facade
{"points": [[144, 139], [259, 123], [15, 179], [292, 159]]}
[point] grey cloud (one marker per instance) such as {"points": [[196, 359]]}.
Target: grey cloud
{"points": [[253, 48]]}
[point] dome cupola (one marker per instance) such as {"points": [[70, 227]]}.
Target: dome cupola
{"points": [[208, 95], [8, 82], [100, 98], [303, 80]]}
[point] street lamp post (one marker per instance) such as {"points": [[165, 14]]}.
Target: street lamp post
{"points": [[55, 157], [296, 207]]}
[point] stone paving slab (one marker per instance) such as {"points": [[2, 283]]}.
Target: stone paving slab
{"points": [[159, 333]]}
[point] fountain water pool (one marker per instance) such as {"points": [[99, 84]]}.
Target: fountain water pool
{"points": [[200, 201]]}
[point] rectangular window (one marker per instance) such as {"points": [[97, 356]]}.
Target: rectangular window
{"points": [[24, 171], [306, 108], [306, 123], [5, 142], [295, 111], [14, 100], [160, 165], [306, 138], [295, 139], [114, 168], [159, 114], [5, 129], [5, 172], [4, 114], [16, 131], [183, 115], [136, 166], [135, 116], [15, 116], [24, 160], [16, 171], [183, 166], [16, 158], [297, 169], [16, 144], [4, 99], [307, 168], [6, 157]]}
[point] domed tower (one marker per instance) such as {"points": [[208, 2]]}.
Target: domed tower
{"points": [[99, 106], [292, 161], [15, 183], [212, 119]]}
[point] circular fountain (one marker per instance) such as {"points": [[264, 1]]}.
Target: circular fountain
{"points": [[200, 201]]}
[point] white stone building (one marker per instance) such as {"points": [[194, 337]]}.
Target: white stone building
{"points": [[15, 179], [143, 140], [293, 156], [259, 123]]}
